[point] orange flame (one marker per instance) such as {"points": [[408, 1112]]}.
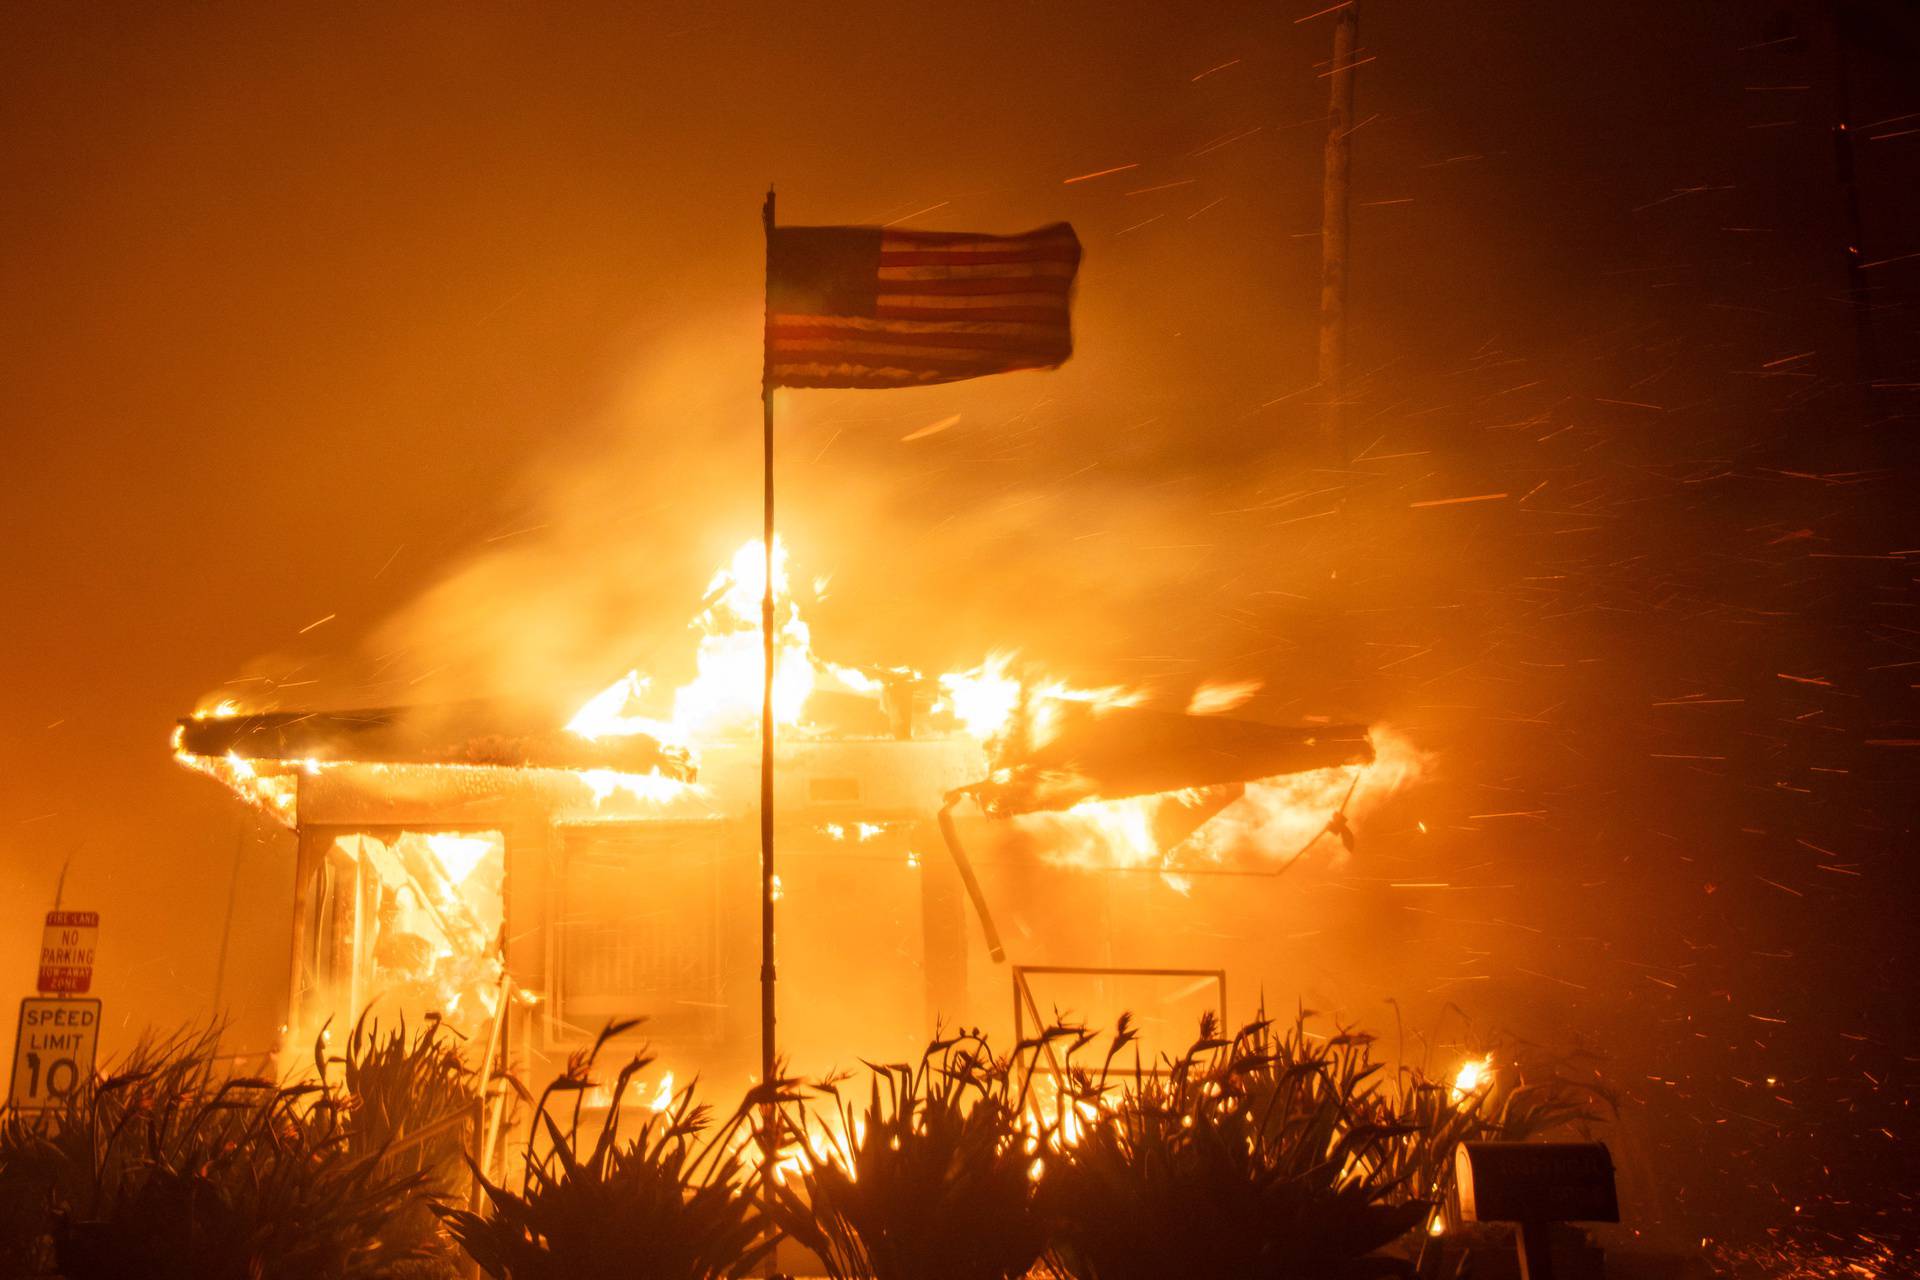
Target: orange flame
{"points": [[723, 698], [459, 854], [275, 793], [990, 701], [1475, 1074], [1276, 819]]}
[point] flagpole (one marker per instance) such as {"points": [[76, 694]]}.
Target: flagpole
{"points": [[1333, 234], [766, 722]]}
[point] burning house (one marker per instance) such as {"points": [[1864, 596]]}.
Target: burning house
{"points": [[527, 881]]}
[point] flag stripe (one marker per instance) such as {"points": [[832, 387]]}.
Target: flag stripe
{"points": [[869, 324], [1005, 284], [923, 259], [912, 296], [865, 307], [855, 375], [922, 341], [962, 242], [783, 336], [959, 346], [1029, 315], [1041, 274], [878, 355]]}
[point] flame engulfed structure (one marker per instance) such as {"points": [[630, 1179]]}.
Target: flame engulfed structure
{"points": [[1000, 705], [994, 704]]}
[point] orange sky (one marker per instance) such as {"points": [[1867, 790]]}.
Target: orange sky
{"points": [[313, 316]]}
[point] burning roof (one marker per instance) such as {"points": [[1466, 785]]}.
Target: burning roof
{"points": [[1100, 771], [1092, 753]]}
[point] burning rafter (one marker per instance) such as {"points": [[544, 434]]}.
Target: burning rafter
{"points": [[459, 734]]}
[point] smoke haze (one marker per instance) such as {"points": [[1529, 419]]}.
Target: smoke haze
{"points": [[371, 358]]}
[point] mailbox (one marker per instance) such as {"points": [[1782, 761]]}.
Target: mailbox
{"points": [[1535, 1185], [1536, 1182]]}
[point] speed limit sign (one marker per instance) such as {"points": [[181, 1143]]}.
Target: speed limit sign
{"points": [[53, 1052]]}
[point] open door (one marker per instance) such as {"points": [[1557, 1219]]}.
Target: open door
{"points": [[402, 925]]}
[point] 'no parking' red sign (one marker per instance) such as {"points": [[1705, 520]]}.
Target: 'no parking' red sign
{"points": [[66, 952]]}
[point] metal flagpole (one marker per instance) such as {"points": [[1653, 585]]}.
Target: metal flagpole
{"points": [[766, 723], [1333, 232]]}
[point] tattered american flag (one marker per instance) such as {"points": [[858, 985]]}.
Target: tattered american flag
{"points": [[872, 307]]}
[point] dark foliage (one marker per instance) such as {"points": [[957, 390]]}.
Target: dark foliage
{"points": [[1273, 1153], [164, 1169], [930, 1181], [415, 1105], [1260, 1156], [671, 1202]]}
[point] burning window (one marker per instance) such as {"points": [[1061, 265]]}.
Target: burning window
{"points": [[639, 928]]}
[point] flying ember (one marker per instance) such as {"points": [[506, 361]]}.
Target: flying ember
{"points": [[891, 641]]}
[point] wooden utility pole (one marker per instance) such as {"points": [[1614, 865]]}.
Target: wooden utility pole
{"points": [[1333, 233], [1866, 347]]}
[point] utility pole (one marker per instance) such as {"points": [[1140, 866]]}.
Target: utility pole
{"points": [[1333, 233], [1866, 347]]}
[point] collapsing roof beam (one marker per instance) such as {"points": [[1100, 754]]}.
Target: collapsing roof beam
{"points": [[474, 734], [1095, 752]]}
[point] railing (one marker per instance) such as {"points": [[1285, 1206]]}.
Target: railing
{"points": [[492, 1117], [479, 1123], [1025, 1007]]}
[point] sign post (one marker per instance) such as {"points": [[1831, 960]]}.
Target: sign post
{"points": [[53, 1048], [66, 952], [52, 1051]]}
